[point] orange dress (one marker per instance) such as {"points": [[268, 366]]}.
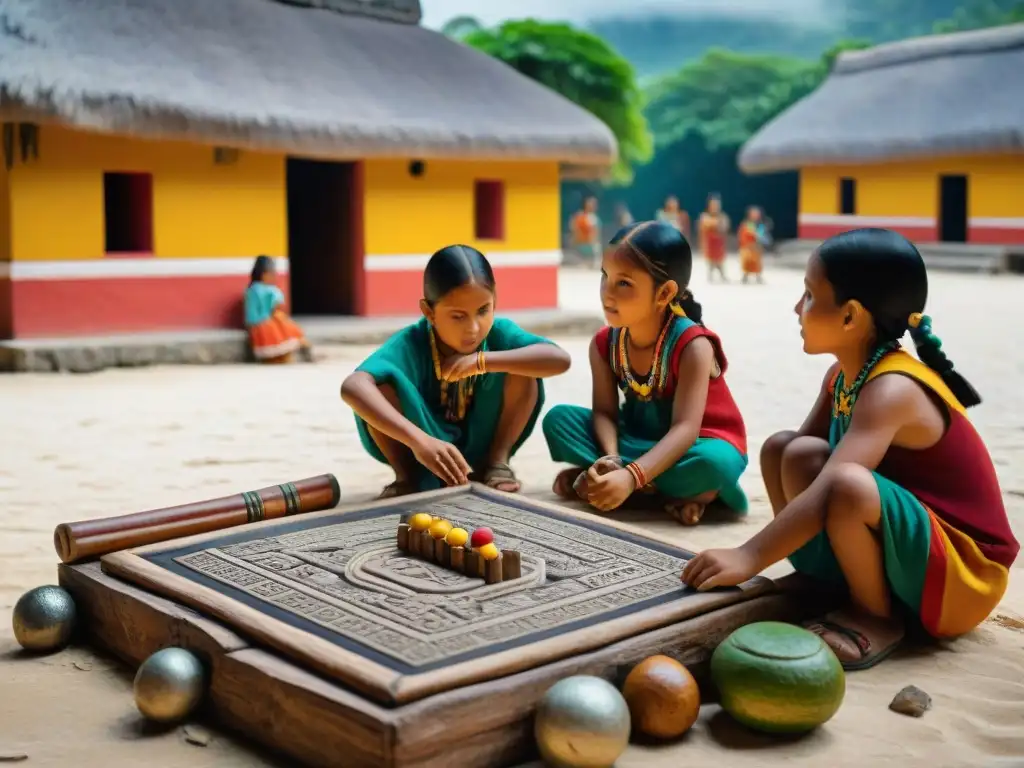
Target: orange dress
{"points": [[272, 334], [712, 238], [750, 249]]}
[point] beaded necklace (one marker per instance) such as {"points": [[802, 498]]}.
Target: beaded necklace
{"points": [[657, 378], [844, 398], [455, 396]]}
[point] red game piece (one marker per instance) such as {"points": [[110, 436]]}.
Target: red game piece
{"points": [[481, 537]]}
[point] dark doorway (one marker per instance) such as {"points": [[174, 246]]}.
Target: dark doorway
{"points": [[324, 237], [953, 209], [848, 197]]}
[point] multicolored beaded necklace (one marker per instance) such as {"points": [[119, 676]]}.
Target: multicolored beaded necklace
{"points": [[455, 396], [657, 378], [844, 398]]}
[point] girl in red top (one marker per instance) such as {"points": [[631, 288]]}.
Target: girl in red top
{"points": [[677, 431], [887, 487]]}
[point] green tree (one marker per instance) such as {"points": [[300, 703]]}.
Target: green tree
{"points": [[459, 27], [979, 14], [583, 68]]}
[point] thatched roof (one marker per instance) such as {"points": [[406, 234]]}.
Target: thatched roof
{"points": [[282, 76], [940, 95]]}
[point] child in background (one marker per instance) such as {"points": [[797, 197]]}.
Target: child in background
{"points": [[886, 489], [453, 396], [273, 335], [678, 431]]}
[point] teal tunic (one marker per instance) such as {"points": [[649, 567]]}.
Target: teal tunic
{"points": [[711, 464], [404, 362]]}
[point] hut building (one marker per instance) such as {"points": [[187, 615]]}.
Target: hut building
{"points": [[153, 148], [923, 136]]}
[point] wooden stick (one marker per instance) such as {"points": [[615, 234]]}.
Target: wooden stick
{"points": [[88, 539]]}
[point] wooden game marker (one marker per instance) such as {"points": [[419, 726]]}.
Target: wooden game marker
{"points": [[506, 566]]}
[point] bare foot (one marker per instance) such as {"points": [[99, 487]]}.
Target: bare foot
{"points": [[565, 480], [398, 488], [858, 639], [685, 512]]}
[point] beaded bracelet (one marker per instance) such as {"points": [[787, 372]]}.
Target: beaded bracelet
{"points": [[639, 476], [480, 363]]}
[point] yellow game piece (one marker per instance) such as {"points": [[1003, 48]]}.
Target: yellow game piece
{"points": [[439, 528], [488, 552], [420, 521], [457, 537]]}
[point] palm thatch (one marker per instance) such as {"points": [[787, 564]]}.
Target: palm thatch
{"points": [[320, 80], [940, 95]]}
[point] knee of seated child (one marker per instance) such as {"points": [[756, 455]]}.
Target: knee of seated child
{"points": [[805, 451], [520, 385], [851, 487], [555, 417], [776, 444]]}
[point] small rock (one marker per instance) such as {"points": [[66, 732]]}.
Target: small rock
{"points": [[911, 701], [195, 734], [83, 666], [12, 757]]}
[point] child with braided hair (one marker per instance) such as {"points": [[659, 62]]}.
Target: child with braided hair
{"points": [[886, 488], [678, 432]]}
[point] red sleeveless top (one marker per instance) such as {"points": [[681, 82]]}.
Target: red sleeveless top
{"points": [[722, 418]]}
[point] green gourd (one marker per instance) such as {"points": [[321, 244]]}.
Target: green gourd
{"points": [[778, 678]]}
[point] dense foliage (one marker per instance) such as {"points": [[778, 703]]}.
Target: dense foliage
{"points": [[693, 120], [583, 68]]}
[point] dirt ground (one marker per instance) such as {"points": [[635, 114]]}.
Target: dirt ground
{"points": [[75, 447]]}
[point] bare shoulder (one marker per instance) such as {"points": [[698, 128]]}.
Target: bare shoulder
{"points": [[699, 351], [893, 398]]}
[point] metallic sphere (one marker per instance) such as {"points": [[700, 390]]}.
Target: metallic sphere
{"points": [[44, 619], [169, 685], [582, 722]]}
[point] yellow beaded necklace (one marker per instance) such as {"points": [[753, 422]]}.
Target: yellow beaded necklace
{"points": [[455, 396]]}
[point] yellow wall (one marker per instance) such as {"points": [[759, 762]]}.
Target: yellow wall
{"points": [[203, 209], [199, 208], [5, 213], [418, 215], [995, 187]]}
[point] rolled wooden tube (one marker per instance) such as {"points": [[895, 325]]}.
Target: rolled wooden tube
{"points": [[87, 539]]}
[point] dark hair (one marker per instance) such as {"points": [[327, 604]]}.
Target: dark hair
{"points": [[883, 271], [664, 253], [263, 265], [453, 267]]}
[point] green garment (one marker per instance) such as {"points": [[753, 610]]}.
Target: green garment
{"points": [[710, 465], [404, 361]]}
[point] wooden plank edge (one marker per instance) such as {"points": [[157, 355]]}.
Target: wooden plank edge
{"points": [[132, 624]]}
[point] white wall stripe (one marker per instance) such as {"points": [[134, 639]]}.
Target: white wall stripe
{"points": [[905, 221], [996, 223], [866, 221], [100, 269], [156, 267], [416, 262]]}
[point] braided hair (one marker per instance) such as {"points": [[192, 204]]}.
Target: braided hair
{"points": [[663, 252], [884, 272]]}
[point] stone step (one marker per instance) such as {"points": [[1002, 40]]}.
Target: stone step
{"points": [[88, 354]]}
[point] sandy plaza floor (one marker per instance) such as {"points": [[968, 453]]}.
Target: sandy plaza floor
{"points": [[80, 446]]}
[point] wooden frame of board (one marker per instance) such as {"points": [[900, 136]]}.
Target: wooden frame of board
{"points": [[378, 681], [286, 704]]}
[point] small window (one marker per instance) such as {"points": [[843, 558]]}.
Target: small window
{"points": [[489, 202], [848, 197], [128, 211]]}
